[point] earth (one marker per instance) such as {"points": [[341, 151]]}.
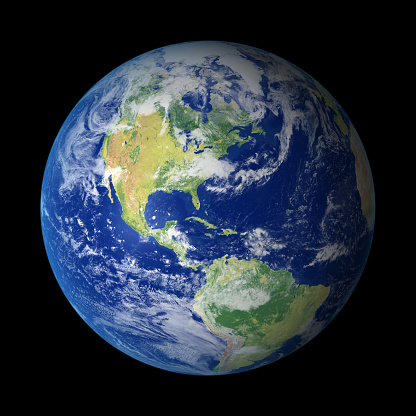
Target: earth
{"points": [[207, 208]]}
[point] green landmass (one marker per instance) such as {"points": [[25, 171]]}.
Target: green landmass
{"points": [[227, 231], [255, 308], [224, 231], [136, 174], [206, 223], [142, 155]]}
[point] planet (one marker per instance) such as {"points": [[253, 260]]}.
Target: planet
{"points": [[207, 208]]}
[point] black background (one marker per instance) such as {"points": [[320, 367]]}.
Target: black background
{"points": [[67, 54]]}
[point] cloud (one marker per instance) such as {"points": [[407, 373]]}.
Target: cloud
{"points": [[260, 243], [329, 252]]}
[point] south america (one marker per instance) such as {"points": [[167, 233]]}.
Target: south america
{"points": [[256, 309]]}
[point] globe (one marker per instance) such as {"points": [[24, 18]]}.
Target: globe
{"points": [[207, 208]]}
